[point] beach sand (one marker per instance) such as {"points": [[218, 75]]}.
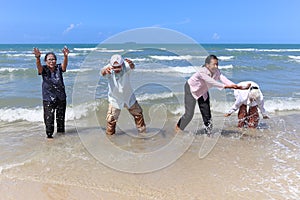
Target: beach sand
{"points": [[252, 165]]}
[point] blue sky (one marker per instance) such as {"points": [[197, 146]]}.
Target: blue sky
{"points": [[231, 21]]}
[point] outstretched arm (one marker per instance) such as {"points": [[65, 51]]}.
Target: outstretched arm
{"points": [[239, 87], [238, 102], [37, 55], [65, 62]]}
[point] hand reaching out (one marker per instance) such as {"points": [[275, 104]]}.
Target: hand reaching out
{"points": [[244, 87], [239, 87], [227, 115]]}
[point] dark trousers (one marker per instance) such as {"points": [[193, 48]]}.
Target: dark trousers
{"points": [[189, 104], [49, 110]]}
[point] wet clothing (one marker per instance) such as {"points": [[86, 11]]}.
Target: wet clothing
{"points": [[248, 117], [49, 109], [113, 114], [54, 98], [53, 87], [242, 98], [120, 92], [120, 95]]}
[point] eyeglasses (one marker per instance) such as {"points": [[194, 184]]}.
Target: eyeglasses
{"points": [[51, 59]]}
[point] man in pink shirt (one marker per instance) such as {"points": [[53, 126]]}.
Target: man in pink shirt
{"points": [[196, 90]]}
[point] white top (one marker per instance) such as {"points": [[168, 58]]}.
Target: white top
{"points": [[242, 97], [120, 92]]}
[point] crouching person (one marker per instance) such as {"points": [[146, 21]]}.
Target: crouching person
{"points": [[248, 102], [120, 94]]}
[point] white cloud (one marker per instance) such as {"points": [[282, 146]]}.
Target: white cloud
{"points": [[71, 27], [216, 36]]}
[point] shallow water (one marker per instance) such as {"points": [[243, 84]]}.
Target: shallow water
{"points": [[233, 164], [243, 164]]}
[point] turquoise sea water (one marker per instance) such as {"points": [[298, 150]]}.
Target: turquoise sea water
{"points": [[274, 67]]}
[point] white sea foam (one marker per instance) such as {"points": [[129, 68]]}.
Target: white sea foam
{"points": [[16, 114], [104, 50], [139, 59], [295, 58], [225, 58], [186, 57], [79, 70], [264, 50], [279, 50], [146, 97], [11, 69], [70, 54], [244, 49], [4, 52], [282, 104], [225, 66], [10, 166], [83, 110], [183, 70], [85, 49], [135, 50], [20, 55], [271, 106], [36, 114]]}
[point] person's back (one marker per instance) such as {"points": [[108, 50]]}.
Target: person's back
{"points": [[253, 98]]}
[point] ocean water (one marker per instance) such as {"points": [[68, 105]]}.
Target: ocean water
{"points": [[242, 164]]}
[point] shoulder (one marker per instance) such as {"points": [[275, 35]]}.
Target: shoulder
{"points": [[218, 73], [203, 70], [45, 70], [59, 66]]}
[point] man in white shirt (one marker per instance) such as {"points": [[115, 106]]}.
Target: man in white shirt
{"points": [[120, 93], [253, 98]]}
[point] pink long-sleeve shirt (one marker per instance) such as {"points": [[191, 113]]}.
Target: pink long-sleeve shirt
{"points": [[203, 79]]}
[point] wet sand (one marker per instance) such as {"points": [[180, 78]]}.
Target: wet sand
{"points": [[260, 165]]}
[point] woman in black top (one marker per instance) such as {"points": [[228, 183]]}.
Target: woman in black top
{"points": [[53, 89]]}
